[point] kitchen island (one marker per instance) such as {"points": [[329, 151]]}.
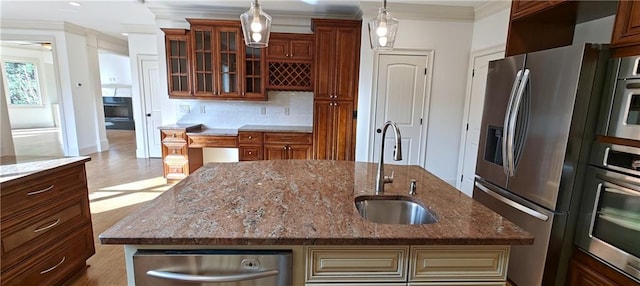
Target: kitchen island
{"points": [[308, 207]]}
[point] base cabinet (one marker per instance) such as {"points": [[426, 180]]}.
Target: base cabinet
{"points": [[586, 270], [46, 226], [406, 265]]}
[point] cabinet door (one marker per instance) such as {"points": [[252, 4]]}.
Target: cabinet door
{"points": [[347, 62], [333, 130], [300, 152], [586, 270], [343, 129], [228, 62], [278, 48], [204, 82], [325, 62], [323, 130], [178, 46], [626, 31], [301, 49], [253, 86], [522, 8], [275, 152]]}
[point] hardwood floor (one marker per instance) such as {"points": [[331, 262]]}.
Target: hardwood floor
{"points": [[118, 184]]}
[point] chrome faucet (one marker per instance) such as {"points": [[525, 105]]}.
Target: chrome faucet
{"points": [[381, 179]]}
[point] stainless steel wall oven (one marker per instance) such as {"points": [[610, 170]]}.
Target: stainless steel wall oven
{"points": [[609, 223], [621, 116]]}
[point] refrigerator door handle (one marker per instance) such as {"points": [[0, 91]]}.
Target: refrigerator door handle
{"points": [[511, 133], [507, 115], [511, 203]]}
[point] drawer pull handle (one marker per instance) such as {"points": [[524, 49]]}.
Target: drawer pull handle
{"points": [[250, 153], [54, 267], [54, 223], [40, 191], [174, 135], [250, 137]]}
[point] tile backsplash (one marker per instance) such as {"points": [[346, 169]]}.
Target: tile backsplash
{"points": [[282, 108]]}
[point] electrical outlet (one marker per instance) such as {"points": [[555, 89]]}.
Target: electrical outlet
{"points": [[202, 109], [185, 108], [286, 111], [263, 110]]}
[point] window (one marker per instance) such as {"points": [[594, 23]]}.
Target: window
{"points": [[21, 83]]}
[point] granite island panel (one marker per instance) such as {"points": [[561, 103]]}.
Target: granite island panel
{"points": [[305, 202]]}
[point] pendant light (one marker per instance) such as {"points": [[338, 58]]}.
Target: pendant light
{"points": [[256, 26], [382, 30]]}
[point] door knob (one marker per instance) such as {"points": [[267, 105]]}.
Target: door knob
{"points": [[379, 130], [148, 114]]}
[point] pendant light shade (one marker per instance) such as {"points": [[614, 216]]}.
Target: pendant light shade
{"points": [[256, 26], [382, 30]]}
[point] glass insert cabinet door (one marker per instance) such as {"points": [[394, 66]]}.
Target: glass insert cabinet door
{"points": [[228, 68], [178, 58]]}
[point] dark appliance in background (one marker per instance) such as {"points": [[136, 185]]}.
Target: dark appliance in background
{"points": [[538, 122], [609, 223], [118, 113]]}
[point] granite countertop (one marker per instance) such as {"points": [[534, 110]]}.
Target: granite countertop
{"points": [[199, 129], [305, 202], [277, 128], [15, 167]]}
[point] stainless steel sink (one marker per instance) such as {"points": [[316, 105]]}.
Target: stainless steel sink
{"points": [[396, 210]]}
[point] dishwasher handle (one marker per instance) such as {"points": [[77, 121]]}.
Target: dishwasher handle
{"points": [[235, 277]]}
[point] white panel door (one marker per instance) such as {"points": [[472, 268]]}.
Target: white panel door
{"points": [[150, 89], [400, 97], [474, 120]]}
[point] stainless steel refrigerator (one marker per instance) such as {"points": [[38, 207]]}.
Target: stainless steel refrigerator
{"points": [[538, 123]]}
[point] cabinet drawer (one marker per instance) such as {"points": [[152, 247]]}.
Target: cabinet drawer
{"points": [[46, 226], [356, 264], [21, 197], [55, 264], [173, 148], [462, 263], [212, 141], [169, 135], [294, 138], [249, 137], [250, 153]]}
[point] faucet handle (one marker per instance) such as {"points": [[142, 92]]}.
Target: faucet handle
{"points": [[389, 179], [412, 187]]}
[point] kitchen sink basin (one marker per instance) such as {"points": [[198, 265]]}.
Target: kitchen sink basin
{"points": [[397, 210]]}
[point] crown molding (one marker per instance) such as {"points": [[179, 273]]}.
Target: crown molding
{"points": [[421, 12], [491, 7]]}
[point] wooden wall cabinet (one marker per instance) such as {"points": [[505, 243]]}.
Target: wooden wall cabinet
{"points": [[626, 30], [337, 58], [219, 65], [46, 226], [290, 62], [540, 25], [288, 46], [178, 53], [586, 270]]}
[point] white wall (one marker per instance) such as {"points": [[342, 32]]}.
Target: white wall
{"points": [[234, 114], [491, 30], [6, 140], [143, 44], [40, 116], [114, 69], [451, 43]]}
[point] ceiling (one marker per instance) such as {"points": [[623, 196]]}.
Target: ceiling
{"points": [[115, 17]]}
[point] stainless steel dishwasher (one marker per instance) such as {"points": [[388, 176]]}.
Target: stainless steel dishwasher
{"points": [[213, 267]]}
